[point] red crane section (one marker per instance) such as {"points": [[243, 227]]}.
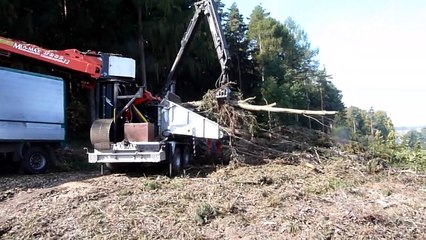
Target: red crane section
{"points": [[87, 63]]}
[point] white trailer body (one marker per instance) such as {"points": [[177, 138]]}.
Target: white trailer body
{"points": [[31, 106], [32, 113]]}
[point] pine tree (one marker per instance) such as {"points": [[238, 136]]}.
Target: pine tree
{"points": [[242, 70]]}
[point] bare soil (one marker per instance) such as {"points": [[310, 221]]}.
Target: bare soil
{"points": [[339, 199]]}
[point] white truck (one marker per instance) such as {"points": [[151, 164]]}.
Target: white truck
{"points": [[32, 119], [129, 124]]}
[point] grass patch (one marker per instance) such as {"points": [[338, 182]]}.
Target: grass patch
{"points": [[205, 213], [125, 192], [328, 185], [275, 201], [152, 185]]}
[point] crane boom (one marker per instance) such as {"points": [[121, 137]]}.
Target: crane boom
{"points": [[87, 63], [208, 9]]}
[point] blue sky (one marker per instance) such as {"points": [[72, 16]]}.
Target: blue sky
{"points": [[374, 50]]}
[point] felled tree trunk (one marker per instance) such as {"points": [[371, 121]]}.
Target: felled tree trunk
{"points": [[271, 108], [243, 104]]}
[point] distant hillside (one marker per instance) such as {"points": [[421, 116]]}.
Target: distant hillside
{"points": [[406, 129]]}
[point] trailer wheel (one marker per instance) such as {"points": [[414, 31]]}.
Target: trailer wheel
{"points": [[176, 163], [208, 151], [186, 156], [35, 160], [201, 151]]}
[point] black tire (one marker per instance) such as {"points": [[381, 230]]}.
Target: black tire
{"points": [[186, 156], [208, 153], [176, 163], [35, 160], [201, 151]]}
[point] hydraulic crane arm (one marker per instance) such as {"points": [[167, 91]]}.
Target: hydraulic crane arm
{"points": [[208, 9], [88, 63]]}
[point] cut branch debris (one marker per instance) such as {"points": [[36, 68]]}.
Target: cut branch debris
{"points": [[248, 143]]}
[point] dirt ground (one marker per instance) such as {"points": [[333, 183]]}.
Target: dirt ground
{"points": [[275, 200]]}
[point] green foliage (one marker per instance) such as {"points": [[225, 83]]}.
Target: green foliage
{"points": [[404, 154], [357, 121], [243, 67], [423, 132], [363, 124], [77, 117], [399, 155], [204, 213], [373, 132], [382, 123], [152, 185], [289, 68], [414, 139]]}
